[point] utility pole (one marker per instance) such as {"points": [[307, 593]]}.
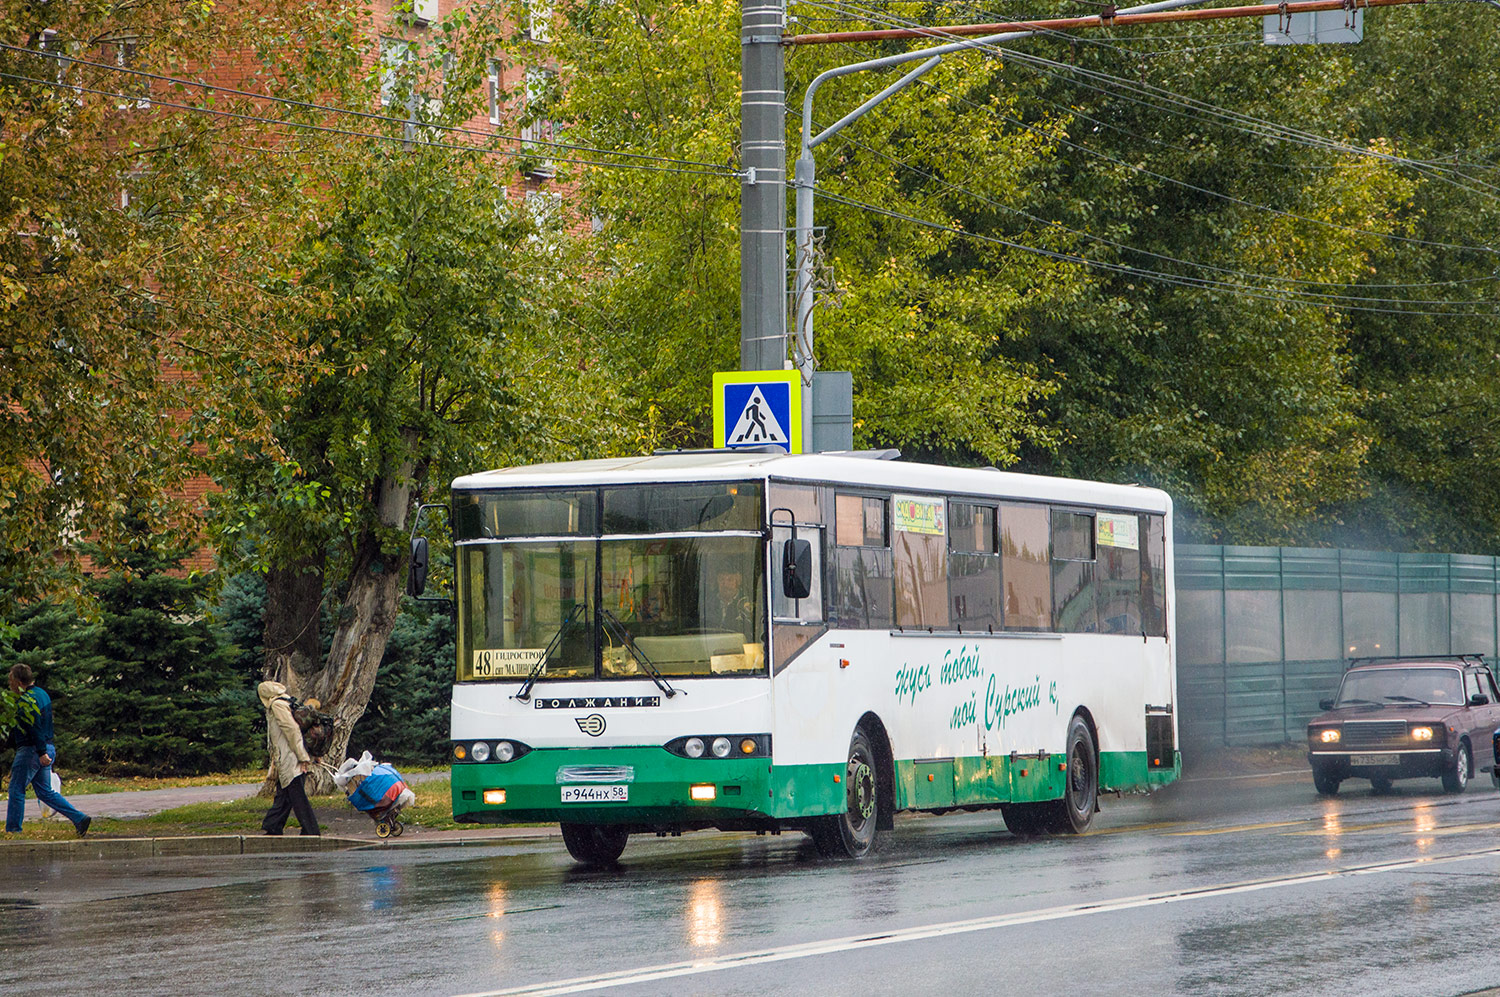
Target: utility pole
{"points": [[762, 186]]}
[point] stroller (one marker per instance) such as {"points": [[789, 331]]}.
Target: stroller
{"points": [[376, 789]]}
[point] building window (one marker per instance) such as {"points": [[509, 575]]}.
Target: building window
{"points": [[492, 90], [539, 20], [537, 132], [395, 54]]}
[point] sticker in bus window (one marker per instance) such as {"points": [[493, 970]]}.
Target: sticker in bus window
{"points": [[507, 662], [920, 515], [1111, 530]]}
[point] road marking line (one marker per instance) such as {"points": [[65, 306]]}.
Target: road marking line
{"points": [[1232, 830], [648, 974]]}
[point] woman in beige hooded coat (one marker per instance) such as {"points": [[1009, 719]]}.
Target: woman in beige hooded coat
{"points": [[289, 760]]}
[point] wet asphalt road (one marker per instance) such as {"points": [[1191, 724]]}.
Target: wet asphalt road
{"points": [[1249, 886]]}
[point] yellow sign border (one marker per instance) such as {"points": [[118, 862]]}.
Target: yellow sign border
{"points": [[788, 377]]}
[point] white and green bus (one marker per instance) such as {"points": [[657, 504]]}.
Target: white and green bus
{"points": [[768, 642]]}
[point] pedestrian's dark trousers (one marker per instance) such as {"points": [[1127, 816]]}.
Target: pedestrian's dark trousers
{"points": [[290, 799]]}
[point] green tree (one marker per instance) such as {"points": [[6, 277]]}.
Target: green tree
{"points": [[160, 693]]}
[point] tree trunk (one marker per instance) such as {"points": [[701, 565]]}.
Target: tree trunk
{"points": [[366, 619]]}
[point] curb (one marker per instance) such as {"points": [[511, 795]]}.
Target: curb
{"points": [[121, 849]]}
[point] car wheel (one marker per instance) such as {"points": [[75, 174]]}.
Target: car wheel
{"points": [[851, 834], [1326, 783], [1457, 777], [593, 844], [1380, 784]]}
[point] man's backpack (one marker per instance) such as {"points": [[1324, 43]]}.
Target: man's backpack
{"points": [[316, 726]]}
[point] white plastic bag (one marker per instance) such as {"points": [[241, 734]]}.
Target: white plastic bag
{"points": [[56, 788], [351, 768], [406, 799]]}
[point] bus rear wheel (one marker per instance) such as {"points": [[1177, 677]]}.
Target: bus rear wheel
{"points": [[1075, 811], [593, 844], [851, 834]]}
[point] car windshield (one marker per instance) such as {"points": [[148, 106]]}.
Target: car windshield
{"points": [[1386, 686]]}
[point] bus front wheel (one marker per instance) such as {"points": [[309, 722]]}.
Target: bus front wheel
{"points": [[592, 844], [851, 834], [1075, 811]]}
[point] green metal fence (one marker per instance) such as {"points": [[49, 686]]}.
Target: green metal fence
{"points": [[1263, 633]]}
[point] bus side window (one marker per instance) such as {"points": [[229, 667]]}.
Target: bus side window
{"points": [[1153, 576], [863, 592], [1118, 546], [974, 566], [1073, 572], [920, 541], [1025, 569]]}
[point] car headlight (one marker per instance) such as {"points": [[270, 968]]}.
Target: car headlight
{"points": [[693, 747], [480, 752], [1421, 733], [721, 747], [1330, 736]]}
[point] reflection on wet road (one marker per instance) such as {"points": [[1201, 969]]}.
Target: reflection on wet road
{"points": [[1235, 886]]}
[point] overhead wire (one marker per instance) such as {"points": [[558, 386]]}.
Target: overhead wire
{"points": [[1392, 237], [1228, 271], [67, 60], [329, 129], [1127, 270], [1160, 98]]}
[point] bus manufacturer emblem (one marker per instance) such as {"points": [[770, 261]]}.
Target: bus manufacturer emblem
{"points": [[592, 725]]}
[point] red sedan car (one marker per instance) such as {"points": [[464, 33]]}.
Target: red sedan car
{"points": [[1406, 718]]}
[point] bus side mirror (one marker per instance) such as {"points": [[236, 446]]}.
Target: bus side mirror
{"points": [[796, 568], [416, 578]]}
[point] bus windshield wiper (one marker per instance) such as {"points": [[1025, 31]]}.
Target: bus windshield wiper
{"points": [[646, 663], [524, 693], [1409, 699]]}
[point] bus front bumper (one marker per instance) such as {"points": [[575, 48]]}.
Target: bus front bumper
{"points": [[647, 788]]}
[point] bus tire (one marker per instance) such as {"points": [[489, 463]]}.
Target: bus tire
{"points": [[594, 844], [852, 833], [1075, 811]]}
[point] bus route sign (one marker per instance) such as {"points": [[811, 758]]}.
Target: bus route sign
{"points": [[756, 408]]}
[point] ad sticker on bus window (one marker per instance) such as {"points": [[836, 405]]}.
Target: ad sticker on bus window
{"points": [[1114, 530], [506, 663], [920, 515]]}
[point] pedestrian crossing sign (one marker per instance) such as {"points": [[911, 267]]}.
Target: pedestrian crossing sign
{"points": [[756, 408]]}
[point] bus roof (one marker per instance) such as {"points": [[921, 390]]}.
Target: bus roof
{"points": [[825, 468]]}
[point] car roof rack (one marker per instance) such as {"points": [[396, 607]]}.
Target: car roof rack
{"points": [[1370, 659]]}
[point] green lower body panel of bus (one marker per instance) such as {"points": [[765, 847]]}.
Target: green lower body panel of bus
{"points": [[650, 786], [645, 786], [938, 783]]}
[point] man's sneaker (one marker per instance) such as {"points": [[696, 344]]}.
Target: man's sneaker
{"points": [[83, 826]]}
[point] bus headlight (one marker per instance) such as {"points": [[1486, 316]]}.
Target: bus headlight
{"points": [[693, 747], [480, 752], [1421, 733], [721, 747], [504, 751], [460, 752], [703, 793], [748, 746]]}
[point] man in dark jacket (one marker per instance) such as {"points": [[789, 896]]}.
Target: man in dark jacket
{"points": [[34, 755]]}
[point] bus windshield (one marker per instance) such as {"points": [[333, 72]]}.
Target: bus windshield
{"points": [[615, 606]]}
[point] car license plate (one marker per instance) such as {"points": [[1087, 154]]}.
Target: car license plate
{"points": [[1373, 760], [595, 794]]}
